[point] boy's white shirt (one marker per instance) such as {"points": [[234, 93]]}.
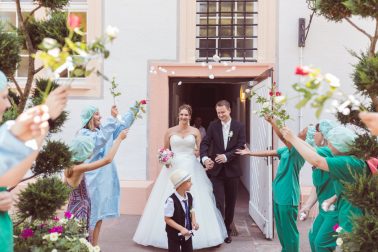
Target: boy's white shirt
{"points": [[169, 206]]}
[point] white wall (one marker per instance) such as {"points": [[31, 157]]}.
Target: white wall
{"points": [[148, 31], [326, 48]]}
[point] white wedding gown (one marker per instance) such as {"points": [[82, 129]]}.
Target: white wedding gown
{"points": [[151, 227]]}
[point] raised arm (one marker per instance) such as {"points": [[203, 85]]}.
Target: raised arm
{"points": [[85, 167], [306, 151], [272, 122], [197, 135]]}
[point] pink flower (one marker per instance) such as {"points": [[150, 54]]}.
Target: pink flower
{"points": [[278, 93], [335, 227], [143, 102], [26, 233], [57, 229], [56, 218], [67, 215], [304, 71], [73, 21], [270, 93]]}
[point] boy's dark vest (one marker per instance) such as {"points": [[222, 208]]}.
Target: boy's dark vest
{"points": [[179, 215]]}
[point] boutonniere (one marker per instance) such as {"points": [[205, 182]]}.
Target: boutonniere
{"points": [[230, 134]]}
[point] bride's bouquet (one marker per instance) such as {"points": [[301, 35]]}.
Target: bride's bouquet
{"points": [[165, 156]]}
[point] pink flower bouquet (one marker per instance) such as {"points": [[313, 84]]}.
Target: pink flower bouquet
{"points": [[165, 156]]}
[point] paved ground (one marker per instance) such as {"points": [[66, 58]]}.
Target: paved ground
{"points": [[116, 235]]}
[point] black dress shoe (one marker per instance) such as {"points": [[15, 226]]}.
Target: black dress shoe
{"points": [[228, 239]]}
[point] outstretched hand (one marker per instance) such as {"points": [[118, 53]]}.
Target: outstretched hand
{"points": [[123, 134], [114, 111], [371, 121], [57, 101], [244, 151], [32, 123]]}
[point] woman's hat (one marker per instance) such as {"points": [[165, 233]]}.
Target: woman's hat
{"points": [[87, 114], [178, 177]]}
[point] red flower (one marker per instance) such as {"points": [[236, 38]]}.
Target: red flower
{"points": [[335, 227], [270, 93], [278, 93], [143, 102], [73, 21], [299, 70]]}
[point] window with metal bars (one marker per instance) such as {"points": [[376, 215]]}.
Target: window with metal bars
{"points": [[228, 29]]}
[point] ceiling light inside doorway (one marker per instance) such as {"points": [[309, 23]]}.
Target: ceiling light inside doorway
{"points": [[211, 76], [179, 83]]}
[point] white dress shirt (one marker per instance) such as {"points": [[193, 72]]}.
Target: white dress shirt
{"points": [[226, 131]]}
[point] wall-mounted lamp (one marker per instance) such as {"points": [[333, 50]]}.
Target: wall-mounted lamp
{"points": [[242, 95]]}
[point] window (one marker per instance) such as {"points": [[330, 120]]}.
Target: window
{"points": [[9, 17], [228, 29]]}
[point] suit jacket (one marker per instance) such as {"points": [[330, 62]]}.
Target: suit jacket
{"points": [[213, 144]]}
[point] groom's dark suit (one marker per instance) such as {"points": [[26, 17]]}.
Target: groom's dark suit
{"points": [[224, 177]]}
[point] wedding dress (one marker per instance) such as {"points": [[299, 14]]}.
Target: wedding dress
{"points": [[151, 227]]}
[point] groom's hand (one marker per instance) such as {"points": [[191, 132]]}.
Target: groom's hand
{"points": [[220, 159]]}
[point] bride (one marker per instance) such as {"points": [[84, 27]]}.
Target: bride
{"points": [[184, 141]]}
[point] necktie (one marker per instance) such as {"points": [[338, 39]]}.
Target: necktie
{"points": [[187, 219]]}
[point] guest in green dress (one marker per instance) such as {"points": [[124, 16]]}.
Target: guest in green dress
{"points": [[322, 237], [286, 189], [341, 167]]}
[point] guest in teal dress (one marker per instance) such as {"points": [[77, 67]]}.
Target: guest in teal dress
{"points": [[103, 184]]}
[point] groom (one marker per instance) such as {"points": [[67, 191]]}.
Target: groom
{"points": [[223, 138]]}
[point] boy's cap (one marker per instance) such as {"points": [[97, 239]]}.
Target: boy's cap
{"points": [[178, 177]]}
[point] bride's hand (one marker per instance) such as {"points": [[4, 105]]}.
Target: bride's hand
{"points": [[196, 153]]}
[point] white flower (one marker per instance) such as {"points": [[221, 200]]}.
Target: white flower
{"points": [[332, 80], [49, 43], [54, 250], [346, 111], [280, 99], [266, 105], [54, 236], [179, 83], [344, 105], [339, 241], [112, 32], [211, 76], [54, 52], [338, 230], [247, 91], [216, 58], [230, 134], [96, 248]]}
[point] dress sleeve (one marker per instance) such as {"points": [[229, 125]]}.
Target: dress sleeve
{"points": [[102, 135], [341, 168], [169, 208], [12, 150]]}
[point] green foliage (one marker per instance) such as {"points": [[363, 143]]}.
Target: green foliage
{"points": [[55, 27], [351, 118], [333, 10], [54, 157], [365, 8], [363, 236], [52, 4], [41, 199], [10, 47], [365, 146], [365, 75], [364, 193], [37, 98]]}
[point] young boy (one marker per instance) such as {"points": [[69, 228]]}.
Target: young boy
{"points": [[179, 214]]}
